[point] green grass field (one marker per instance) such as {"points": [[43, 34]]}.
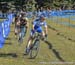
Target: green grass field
{"points": [[60, 37]]}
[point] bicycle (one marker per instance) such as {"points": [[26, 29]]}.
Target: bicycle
{"points": [[34, 48]]}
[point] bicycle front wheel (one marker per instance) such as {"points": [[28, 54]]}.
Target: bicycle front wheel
{"points": [[34, 49]]}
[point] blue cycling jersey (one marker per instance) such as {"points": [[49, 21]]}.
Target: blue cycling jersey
{"points": [[38, 24]]}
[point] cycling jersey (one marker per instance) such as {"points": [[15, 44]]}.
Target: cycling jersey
{"points": [[38, 26], [16, 20], [23, 22]]}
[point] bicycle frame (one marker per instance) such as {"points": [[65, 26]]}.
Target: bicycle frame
{"points": [[35, 45]]}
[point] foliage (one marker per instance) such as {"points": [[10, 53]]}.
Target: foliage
{"points": [[32, 4]]}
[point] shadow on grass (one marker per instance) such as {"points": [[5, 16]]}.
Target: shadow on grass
{"points": [[54, 51], [8, 38], [52, 28], [60, 34], [14, 55], [8, 43]]}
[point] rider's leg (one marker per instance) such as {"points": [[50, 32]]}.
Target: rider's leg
{"points": [[29, 42], [24, 31], [30, 39], [43, 33], [28, 45], [16, 30], [19, 33]]}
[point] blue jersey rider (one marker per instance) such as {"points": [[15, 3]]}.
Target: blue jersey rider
{"points": [[37, 26]]}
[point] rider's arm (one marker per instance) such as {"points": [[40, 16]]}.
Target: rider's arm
{"points": [[27, 22], [33, 24], [46, 28]]}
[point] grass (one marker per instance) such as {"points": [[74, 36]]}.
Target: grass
{"points": [[62, 41]]}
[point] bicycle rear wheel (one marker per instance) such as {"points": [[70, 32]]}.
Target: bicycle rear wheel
{"points": [[34, 49]]}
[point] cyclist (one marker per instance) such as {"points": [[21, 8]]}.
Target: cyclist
{"points": [[23, 25], [37, 27], [17, 25]]}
